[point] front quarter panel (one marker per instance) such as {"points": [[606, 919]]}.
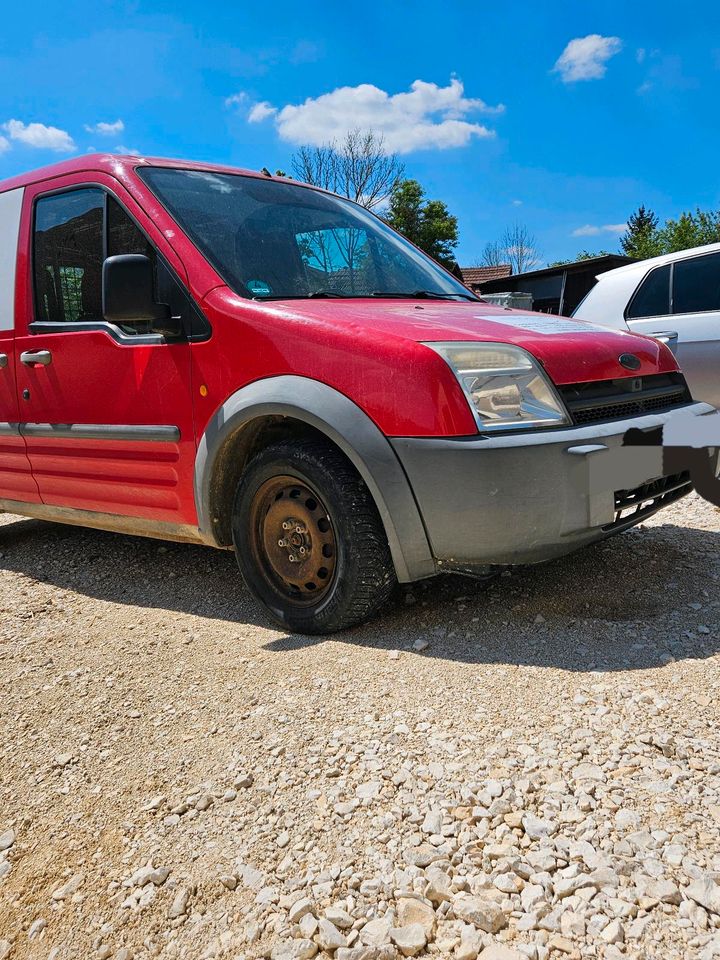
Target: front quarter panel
{"points": [[403, 386]]}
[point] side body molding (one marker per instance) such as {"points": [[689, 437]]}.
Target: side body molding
{"points": [[343, 422]]}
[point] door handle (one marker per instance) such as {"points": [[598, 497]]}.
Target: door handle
{"points": [[33, 358], [3, 360]]}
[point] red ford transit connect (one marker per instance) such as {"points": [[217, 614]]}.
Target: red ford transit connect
{"points": [[210, 355]]}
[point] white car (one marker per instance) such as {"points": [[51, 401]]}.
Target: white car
{"points": [[675, 297]]}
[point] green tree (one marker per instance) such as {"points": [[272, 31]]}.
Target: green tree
{"points": [[428, 223], [642, 238], [582, 255], [690, 230]]}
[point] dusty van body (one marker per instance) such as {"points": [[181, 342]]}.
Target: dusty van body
{"points": [[216, 356]]}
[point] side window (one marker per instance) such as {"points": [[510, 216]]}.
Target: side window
{"points": [[69, 249], [652, 298], [124, 236], [68, 256], [338, 259], [696, 284]]}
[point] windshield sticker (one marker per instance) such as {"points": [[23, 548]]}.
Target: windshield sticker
{"points": [[258, 288], [541, 323]]}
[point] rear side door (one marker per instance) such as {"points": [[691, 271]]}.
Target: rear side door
{"points": [[695, 301], [684, 297], [106, 411], [16, 482]]}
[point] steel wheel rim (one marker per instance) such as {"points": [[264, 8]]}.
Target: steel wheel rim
{"points": [[293, 540]]}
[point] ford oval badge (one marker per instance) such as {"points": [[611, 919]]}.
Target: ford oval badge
{"points": [[630, 361]]}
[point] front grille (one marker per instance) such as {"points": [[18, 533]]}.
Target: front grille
{"points": [[632, 506], [627, 397]]}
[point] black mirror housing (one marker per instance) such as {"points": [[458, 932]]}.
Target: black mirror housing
{"points": [[128, 294]]}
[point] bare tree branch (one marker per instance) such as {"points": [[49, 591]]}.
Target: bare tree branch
{"points": [[493, 255], [357, 167], [520, 248]]}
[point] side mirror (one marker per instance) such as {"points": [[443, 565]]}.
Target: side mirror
{"points": [[128, 296]]}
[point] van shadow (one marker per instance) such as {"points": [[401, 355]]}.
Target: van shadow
{"points": [[635, 601]]}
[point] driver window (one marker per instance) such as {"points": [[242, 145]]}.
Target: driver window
{"points": [[68, 256], [69, 253]]}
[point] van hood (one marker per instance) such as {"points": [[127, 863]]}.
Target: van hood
{"points": [[571, 351]]}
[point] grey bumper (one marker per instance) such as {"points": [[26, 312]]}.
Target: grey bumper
{"points": [[529, 497]]}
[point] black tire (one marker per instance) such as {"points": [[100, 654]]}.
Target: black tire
{"points": [[307, 490]]}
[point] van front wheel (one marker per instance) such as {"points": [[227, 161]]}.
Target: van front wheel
{"points": [[308, 538]]}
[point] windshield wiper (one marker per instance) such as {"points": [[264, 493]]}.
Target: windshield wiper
{"points": [[423, 295], [328, 294], [316, 295]]}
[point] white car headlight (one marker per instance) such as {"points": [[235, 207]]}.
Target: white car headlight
{"points": [[506, 388]]}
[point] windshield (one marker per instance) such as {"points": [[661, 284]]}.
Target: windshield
{"points": [[274, 240]]}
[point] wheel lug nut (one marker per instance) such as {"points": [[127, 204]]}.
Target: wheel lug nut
{"points": [[282, 543], [300, 530], [292, 558], [302, 550], [286, 525]]}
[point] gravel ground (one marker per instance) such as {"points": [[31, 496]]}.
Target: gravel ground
{"points": [[522, 768]]}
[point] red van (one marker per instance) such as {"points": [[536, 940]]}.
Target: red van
{"points": [[209, 355]]}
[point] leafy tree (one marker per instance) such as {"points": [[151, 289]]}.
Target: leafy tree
{"points": [[357, 167], [708, 226], [582, 255], [642, 237], [428, 223], [690, 230]]}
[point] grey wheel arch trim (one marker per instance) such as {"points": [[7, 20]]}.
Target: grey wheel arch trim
{"points": [[342, 422]]}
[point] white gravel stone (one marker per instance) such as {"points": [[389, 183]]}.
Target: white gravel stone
{"points": [[485, 914], [179, 904], [329, 936], [410, 939], [412, 911], [299, 949], [497, 951], [339, 917], [375, 933], [70, 887], [299, 909], [706, 892]]}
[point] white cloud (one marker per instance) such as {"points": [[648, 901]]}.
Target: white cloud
{"points": [[106, 129], [4, 144], [425, 117], [517, 203], [128, 151], [261, 111], [590, 230], [39, 136], [236, 99], [585, 58]]}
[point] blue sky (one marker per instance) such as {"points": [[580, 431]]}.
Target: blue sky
{"points": [[561, 116]]}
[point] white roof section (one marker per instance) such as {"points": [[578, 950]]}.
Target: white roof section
{"points": [[606, 302], [644, 266]]}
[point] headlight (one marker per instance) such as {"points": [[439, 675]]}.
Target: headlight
{"points": [[505, 386]]}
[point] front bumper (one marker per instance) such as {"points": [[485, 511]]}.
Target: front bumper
{"points": [[529, 497]]}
